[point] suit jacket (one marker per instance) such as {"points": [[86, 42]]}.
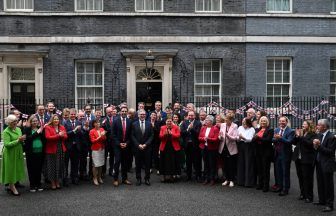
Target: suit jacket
{"points": [[85, 138], [46, 118], [175, 137], [229, 138], [192, 134], [138, 138], [163, 115], [97, 143], [304, 146], [283, 146], [265, 142], [118, 132], [52, 139], [212, 140], [74, 138], [108, 127], [28, 144], [326, 153]]}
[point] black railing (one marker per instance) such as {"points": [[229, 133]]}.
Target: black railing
{"points": [[297, 109]]}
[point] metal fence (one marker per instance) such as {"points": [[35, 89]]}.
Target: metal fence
{"points": [[297, 109]]}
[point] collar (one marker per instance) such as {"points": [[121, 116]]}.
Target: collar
{"points": [[325, 133], [284, 128]]}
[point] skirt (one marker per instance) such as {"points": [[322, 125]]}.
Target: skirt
{"points": [[98, 158], [54, 164]]}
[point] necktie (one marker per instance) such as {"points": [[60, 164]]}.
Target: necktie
{"points": [[41, 121], [124, 128], [281, 132], [111, 120], [142, 128], [73, 125], [88, 117]]}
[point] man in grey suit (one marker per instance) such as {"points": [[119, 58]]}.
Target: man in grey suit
{"points": [[325, 166]]}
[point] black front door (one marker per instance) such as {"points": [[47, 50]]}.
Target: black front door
{"points": [[149, 93], [23, 97]]}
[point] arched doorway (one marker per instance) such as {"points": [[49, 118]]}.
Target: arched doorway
{"points": [[148, 86]]}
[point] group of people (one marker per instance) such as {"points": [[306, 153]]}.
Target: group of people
{"points": [[170, 142]]}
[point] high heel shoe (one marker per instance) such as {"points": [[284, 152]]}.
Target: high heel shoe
{"points": [[95, 182], [101, 181], [14, 194]]}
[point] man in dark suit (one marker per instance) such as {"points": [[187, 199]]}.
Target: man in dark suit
{"points": [[283, 140], [177, 109], [160, 115], [85, 146], [88, 113], [73, 145], [326, 165], [142, 136], [121, 141], [41, 116], [107, 125], [190, 130]]}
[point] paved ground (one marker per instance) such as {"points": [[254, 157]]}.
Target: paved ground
{"points": [[159, 199]]}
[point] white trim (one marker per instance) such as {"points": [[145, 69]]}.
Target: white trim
{"points": [[331, 15], [148, 11], [166, 39], [203, 11]]}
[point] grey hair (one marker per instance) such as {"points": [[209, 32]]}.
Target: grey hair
{"points": [[324, 122], [210, 117], [10, 118]]}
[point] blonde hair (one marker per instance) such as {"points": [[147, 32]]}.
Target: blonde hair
{"points": [[266, 119]]}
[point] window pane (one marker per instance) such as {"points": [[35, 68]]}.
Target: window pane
{"points": [[215, 77], [215, 5], [207, 66], [80, 79], [207, 90], [98, 67], [207, 77], [207, 5], [98, 92], [90, 4], [80, 4], [199, 66], [29, 4], [333, 6], [215, 65], [285, 90], [286, 77], [270, 65], [278, 65], [98, 79], [89, 67], [98, 4], [270, 77], [81, 93], [157, 5], [149, 5], [270, 5], [89, 93], [80, 67], [333, 62], [278, 77], [89, 79], [286, 65], [269, 90], [332, 89], [215, 90], [277, 90]]}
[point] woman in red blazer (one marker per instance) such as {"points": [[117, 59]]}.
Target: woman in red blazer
{"points": [[169, 148], [209, 142], [97, 138], [55, 135]]}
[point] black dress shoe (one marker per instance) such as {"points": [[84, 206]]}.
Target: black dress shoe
{"points": [[328, 209], [259, 187], [138, 183], [319, 203], [75, 181], [283, 193], [265, 190], [147, 182], [65, 183]]}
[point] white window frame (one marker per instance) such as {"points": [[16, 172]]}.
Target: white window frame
{"points": [[203, 11], [333, 4], [19, 10], [90, 86], [285, 12], [146, 11], [209, 84], [282, 83], [89, 10]]}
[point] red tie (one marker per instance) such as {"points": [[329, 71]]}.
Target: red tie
{"points": [[124, 128], [111, 120]]}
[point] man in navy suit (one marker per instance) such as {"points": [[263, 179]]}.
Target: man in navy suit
{"points": [[283, 139], [160, 115], [177, 109], [190, 130], [326, 165], [85, 146], [88, 113], [73, 145], [142, 136], [41, 116], [121, 141]]}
